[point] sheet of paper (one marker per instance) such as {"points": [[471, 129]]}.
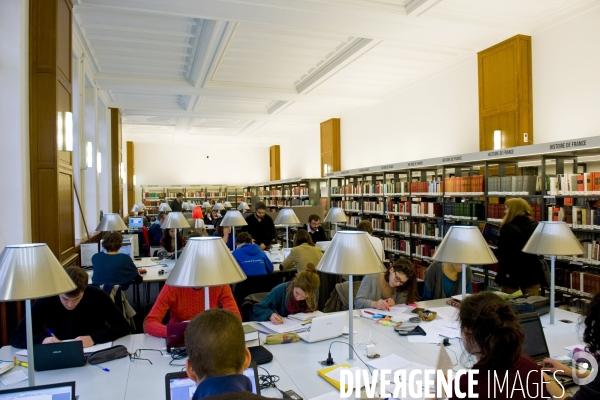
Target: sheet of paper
{"points": [[392, 362], [333, 395], [87, 251], [337, 373], [446, 313], [578, 346], [459, 296], [13, 377], [301, 317], [397, 316], [287, 326]]}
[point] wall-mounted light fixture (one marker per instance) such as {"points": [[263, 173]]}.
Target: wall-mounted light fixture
{"points": [[497, 139], [88, 155], [68, 131], [99, 161]]}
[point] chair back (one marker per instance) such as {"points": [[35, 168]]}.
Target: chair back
{"points": [[147, 239], [247, 307], [255, 284]]}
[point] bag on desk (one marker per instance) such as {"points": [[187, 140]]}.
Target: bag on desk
{"points": [[112, 353], [538, 304]]}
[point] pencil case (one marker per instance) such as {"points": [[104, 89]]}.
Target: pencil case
{"points": [[105, 355]]}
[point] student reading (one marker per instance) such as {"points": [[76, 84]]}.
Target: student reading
{"points": [[398, 285], [112, 267], [303, 253], [491, 332], [155, 231], [443, 280], [251, 258], [314, 228], [296, 296], [87, 314], [217, 356], [591, 337], [168, 241]]}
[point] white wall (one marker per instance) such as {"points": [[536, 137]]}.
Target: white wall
{"points": [[14, 129], [185, 164], [300, 155]]}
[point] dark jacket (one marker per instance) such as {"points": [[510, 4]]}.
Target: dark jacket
{"points": [[318, 236], [175, 205], [216, 385], [96, 315], [156, 233], [253, 260], [434, 282], [114, 269], [273, 302], [261, 231], [515, 268]]}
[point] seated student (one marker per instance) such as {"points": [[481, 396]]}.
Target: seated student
{"points": [[366, 226], [398, 285], [112, 267], [167, 242], [591, 337], [251, 258], [303, 253], [225, 233], [295, 296], [491, 332], [218, 356], [185, 303], [443, 280], [314, 228], [215, 217], [87, 314], [155, 232]]}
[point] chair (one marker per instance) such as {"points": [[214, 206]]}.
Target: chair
{"points": [[117, 295], [147, 239], [248, 305], [255, 284]]}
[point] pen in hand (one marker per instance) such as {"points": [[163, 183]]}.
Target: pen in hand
{"points": [[280, 317], [51, 334]]}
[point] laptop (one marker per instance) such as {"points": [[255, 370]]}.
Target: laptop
{"points": [[179, 387], [323, 328], [323, 245], [59, 355], [176, 335], [63, 391], [534, 343], [491, 234], [136, 222], [286, 252]]}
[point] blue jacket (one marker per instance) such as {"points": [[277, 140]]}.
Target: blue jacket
{"points": [[229, 241], [155, 232], [253, 260], [222, 384], [114, 269]]}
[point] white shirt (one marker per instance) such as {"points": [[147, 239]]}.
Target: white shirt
{"points": [[376, 242]]}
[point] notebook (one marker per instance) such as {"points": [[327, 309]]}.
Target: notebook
{"points": [[63, 390], [176, 335], [179, 387], [58, 355], [323, 328]]}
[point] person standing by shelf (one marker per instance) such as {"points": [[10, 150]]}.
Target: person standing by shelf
{"points": [[177, 203], [260, 226], [443, 280], [517, 270]]}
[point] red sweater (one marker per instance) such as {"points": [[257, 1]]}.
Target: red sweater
{"points": [[184, 304]]}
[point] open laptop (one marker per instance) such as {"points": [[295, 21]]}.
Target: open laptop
{"points": [[179, 387], [286, 252], [323, 245], [136, 222], [323, 328], [534, 343], [59, 355], [176, 335], [63, 391], [491, 234]]}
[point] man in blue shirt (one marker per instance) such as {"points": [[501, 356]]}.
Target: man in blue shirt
{"points": [[155, 230], [218, 355]]}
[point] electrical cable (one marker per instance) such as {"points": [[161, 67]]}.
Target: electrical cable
{"points": [[267, 381], [330, 359]]}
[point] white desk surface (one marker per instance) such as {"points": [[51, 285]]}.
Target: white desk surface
{"points": [[152, 265], [296, 364]]}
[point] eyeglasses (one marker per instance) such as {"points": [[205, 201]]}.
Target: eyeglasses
{"points": [[399, 280], [136, 355]]}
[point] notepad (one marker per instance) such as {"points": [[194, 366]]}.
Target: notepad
{"points": [[333, 374], [287, 326]]}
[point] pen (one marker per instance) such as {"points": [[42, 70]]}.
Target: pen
{"points": [[51, 334], [282, 321], [20, 363], [387, 307], [102, 368]]}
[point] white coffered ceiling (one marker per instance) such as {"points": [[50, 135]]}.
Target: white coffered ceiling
{"points": [[261, 71]]}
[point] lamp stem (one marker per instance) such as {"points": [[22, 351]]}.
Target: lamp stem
{"points": [[552, 258], [350, 318], [29, 326], [287, 236], [206, 298], [336, 229], [175, 245], [233, 233], [464, 281]]}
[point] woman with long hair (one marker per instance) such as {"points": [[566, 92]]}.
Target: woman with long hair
{"points": [[517, 270], [167, 242], [303, 253], [224, 232], [296, 296], [397, 285]]}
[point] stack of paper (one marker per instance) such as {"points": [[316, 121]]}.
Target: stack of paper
{"points": [[305, 318], [287, 326]]}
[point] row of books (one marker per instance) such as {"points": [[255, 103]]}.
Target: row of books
{"points": [[496, 211], [424, 250], [347, 205], [426, 209], [296, 191], [373, 206], [575, 216], [467, 210], [573, 184], [398, 246], [516, 185], [398, 207], [465, 184], [348, 190], [426, 229], [395, 225], [577, 282], [402, 188], [289, 203], [432, 187], [154, 194]]}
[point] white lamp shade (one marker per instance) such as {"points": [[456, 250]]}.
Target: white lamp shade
{"points": [[205, 261], [233, 218], [31, 271], [464, 245], [190, 207], [352, 253], [336, 214], [243, 206], [137, 208], [553, 238], [111, 222], [227, 204], [286, 216], [218, 207], [206, 204], [175, 219], [199, 224], [164, 207]]}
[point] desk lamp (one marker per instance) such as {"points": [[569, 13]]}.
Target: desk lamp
{"points": [[197, 213], [243, 206], [464, 245], [335, 215], [164, 207], [233, 218], [350, 253], [227, 205], [554, 239], [206, 205], [31, 271], [287, 217], [111, 222], [176, 220], [190, 206], [137, 208], [218, 207], [205, 261], [184, 205]]}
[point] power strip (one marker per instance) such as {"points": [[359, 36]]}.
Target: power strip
{"points": [[6, 366]]}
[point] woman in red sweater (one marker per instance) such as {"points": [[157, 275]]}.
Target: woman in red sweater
{"points": [[184, 304]]}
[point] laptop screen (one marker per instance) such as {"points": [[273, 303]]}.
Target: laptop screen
{"points": [[491, 233], [534, 344], [136, 222], [57, 391], [286, 252]]}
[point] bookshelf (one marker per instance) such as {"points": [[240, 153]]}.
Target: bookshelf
{"points": [[153, 195], [289, 193]]}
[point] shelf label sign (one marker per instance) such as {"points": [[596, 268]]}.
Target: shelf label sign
{"points": [[501, 153], [363, 170], [345, 172], [329, 174], [387, 167], [415, 163], [449, 159], [568, 145]]}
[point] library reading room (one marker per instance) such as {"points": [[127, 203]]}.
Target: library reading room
{"points": [[303, 199]]}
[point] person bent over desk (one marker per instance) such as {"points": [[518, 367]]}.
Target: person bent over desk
{"points": [[87, 314]]}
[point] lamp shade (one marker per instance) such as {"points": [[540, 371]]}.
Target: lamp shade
{"points": [[206, 204], [350, 252], [175, 219], [336, 214], [199, 224], [233, 218], [286, 216], [227, 204], [190, 207], [111, 222], [164, 207], [218, 207], [464, 245], [553, 238], [184, 205], [137, 208], [197, 212], [243, 206], [205, 261], [30, 271]]}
